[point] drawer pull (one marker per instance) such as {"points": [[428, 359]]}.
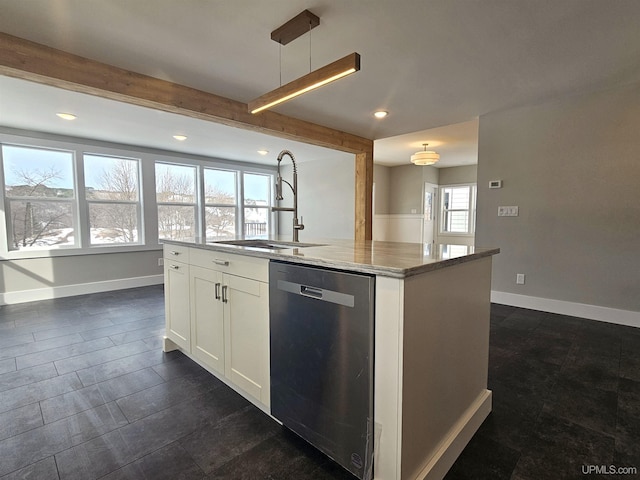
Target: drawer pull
{"points": [[217, 291], [175, 267], [173, 252], [224, 294], [224, 263]]}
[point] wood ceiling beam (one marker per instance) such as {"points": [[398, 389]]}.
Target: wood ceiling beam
{"points": [[31, 61]]}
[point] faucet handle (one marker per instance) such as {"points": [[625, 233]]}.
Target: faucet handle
{"points": [[298, 225]]}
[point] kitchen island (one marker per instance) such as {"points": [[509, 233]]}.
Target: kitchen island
{"points": [[431, 337]]}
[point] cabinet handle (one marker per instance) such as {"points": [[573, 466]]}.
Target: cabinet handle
{"points": [[224, 263], [175, 267], [173, 252], [217, 291], [224, 294]]}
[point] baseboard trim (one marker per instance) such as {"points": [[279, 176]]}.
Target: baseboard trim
{"points": [[583, 310], [457, 439], [22, 296]]}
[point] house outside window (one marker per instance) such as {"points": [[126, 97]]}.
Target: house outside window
{"points": [[257, 204], [39, 197], [457, 212]]}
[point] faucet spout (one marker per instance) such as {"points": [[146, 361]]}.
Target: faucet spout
{"points": [[297, 225]]}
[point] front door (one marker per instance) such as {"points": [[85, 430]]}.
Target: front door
{"points": [[430, 208]]}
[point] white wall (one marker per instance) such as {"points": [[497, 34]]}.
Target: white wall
{"points": [[572, 168], [326, 199]]}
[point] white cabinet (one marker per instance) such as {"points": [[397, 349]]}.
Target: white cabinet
{"points": [[176, 294], [227, 315], [246, 317], [207, 321]]}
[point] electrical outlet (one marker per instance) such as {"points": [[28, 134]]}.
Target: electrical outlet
{"points": [[161, 262], [508, 211], [520, 278]]}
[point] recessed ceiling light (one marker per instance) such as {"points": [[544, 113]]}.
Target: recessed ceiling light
{"points": [[180, 138], [66, 116], [380, 114], [263, 152]]}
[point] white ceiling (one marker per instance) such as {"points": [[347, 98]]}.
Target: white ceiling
{"points": [[430, 63]]}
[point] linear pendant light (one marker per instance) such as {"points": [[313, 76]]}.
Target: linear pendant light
{"points": [[327, 74]]}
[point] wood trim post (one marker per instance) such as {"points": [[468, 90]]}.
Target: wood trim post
{"points": [[364, 196]]}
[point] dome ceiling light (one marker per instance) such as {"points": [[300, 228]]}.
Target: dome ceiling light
{"points": [[425, 157]]}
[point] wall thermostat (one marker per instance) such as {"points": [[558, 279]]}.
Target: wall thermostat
{"points": [[495, 184]]}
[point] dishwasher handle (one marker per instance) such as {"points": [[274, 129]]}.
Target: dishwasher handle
{"points": [[310, 291], [322, 294]]}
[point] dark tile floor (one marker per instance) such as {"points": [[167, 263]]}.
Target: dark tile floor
{"points": [[86, 393]]}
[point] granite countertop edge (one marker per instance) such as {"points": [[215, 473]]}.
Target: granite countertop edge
{"points": [[316, 258]]}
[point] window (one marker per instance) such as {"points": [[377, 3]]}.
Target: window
{"points": [[177, 201], [257, 204], [39, 186], [112, 190], [70, 198], [458, 209], [220, 202]]}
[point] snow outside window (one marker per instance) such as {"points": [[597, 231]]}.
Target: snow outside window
{"points": [[40, 198], [220, 203], [177, 202], [112, 190]]}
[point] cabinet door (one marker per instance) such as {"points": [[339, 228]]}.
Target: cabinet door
{"points": [[247, 342], [207, 325], [176, 295]]}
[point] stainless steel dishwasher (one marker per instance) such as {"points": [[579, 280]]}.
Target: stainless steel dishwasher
{"points": [[322, 360]]}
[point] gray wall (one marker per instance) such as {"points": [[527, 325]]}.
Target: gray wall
{"points": [[456, 175], [406, 184], [572, 167], [326, 199], [381, 195], [48, 272]]}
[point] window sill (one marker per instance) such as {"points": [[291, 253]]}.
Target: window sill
{"points": [[72, 252]]}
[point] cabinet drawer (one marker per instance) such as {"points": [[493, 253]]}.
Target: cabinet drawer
{"points": [[177, 253], [241, 265]]}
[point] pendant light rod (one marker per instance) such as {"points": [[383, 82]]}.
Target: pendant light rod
{"points": [[316, 79]]}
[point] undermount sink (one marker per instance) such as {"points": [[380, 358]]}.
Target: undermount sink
{"points": [[267, 244]]}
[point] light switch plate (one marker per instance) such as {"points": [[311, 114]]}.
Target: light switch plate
{"points": [[511, 211]]}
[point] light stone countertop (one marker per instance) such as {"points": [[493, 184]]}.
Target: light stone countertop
{"points": [[389, 259]]}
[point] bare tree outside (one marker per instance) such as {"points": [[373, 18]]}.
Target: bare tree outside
{"points": [[113, 206], [44, 222], [175, 195], [220, 220]]}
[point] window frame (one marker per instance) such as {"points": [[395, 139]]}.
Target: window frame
{"points": [[6, 213], [138, 203], [442, 211], [272, 219], [147, 196], [197, 198], [236, 205]]}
